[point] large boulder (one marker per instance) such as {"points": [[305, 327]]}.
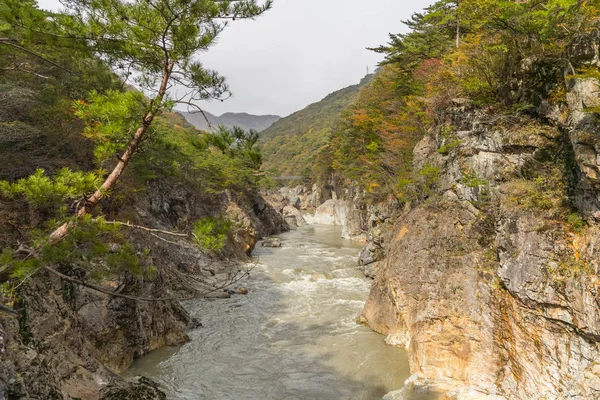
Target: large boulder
{"points": [[293, 217]]}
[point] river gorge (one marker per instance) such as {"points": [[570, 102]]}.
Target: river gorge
{"points": [[294, 336]]}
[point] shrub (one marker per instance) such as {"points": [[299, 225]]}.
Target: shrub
{"points": [[448, 147], [43, 191], [576, 222], [211, 233], [420, 186]]}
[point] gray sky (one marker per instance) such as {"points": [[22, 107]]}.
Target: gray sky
{"points": [[299, 51]]}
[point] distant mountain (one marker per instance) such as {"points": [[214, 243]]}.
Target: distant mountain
{"points": [[243, 120], [290, 145]]}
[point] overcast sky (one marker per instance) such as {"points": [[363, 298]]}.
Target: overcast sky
{"points": [[299, 51]]}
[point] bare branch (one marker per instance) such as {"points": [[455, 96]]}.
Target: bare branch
{"points": [[238, 277], [9, 310], [17, 67], [129, 225], [198, 110], [10, 43], [172, 242]]}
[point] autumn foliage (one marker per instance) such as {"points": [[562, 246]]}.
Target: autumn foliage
{"points": [[507, 55]]}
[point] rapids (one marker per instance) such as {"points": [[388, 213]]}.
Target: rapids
{"points": [[294, 336]]}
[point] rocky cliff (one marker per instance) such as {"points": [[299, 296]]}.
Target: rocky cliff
{"points": [[491, 282], [487, 272], [71, 342]]}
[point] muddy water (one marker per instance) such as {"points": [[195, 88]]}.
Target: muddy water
{"points": [[293, 337]]}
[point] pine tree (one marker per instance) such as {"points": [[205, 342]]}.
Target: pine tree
{"points": [[155, 43]]}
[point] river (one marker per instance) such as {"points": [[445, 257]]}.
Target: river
{"points": [[294, 336]]}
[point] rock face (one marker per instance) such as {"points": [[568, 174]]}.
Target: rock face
{"points": [[138, 389], [331, 204], [71, 342], [332, 212], [491, 284]]}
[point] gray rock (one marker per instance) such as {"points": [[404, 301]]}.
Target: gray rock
{"points": [[370, 254], [370, 270], [137, 389], [271, 242], [293, 217], [291, 221]]}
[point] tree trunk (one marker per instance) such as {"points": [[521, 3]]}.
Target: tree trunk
{"points": [[117, 171], [457, 26]]}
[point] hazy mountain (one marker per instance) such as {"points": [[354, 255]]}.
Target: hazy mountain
{"points": [[243, 120]]}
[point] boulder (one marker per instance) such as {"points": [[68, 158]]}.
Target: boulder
{"points": [[138, 389], [291, 196], [291, 221], [370, 270], [293, 217], [271, 242], [370, 254]]}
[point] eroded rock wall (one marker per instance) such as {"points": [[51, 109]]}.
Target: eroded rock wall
{"points": [[71, 342], [330, 204], [491, 284]]}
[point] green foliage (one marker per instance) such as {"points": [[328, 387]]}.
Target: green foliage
{"points": [[485, 53], [7, 293], [41, 190], [472, 180], [295, 142], [449, 146], [373, 141], [93, 246], [237, 143], [49, 59], [543, 193], [211, 233], [576, 222], [494, 51], [420, 185], [111, 119], [520, 49], [175, 149], [571, 268], [139, 38], [432, 35]]}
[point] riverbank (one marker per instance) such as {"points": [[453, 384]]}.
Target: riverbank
{"points": [[71, 341]]}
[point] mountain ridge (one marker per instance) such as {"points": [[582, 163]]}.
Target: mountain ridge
{"points": [[291, 144], [244, 120]]}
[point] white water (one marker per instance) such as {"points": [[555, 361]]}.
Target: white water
{"points": [[293, 337]]}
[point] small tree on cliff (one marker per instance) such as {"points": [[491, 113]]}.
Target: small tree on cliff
{"points": [[153, 43]]}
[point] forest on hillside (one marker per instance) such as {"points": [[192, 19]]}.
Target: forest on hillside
{"points": [[290, 145], [512, 57]]}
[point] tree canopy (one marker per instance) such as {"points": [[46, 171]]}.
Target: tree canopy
{"points": [[511, 55], [110, 67]]}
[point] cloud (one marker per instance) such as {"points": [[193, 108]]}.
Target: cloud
{"points": [[300, 51]]}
